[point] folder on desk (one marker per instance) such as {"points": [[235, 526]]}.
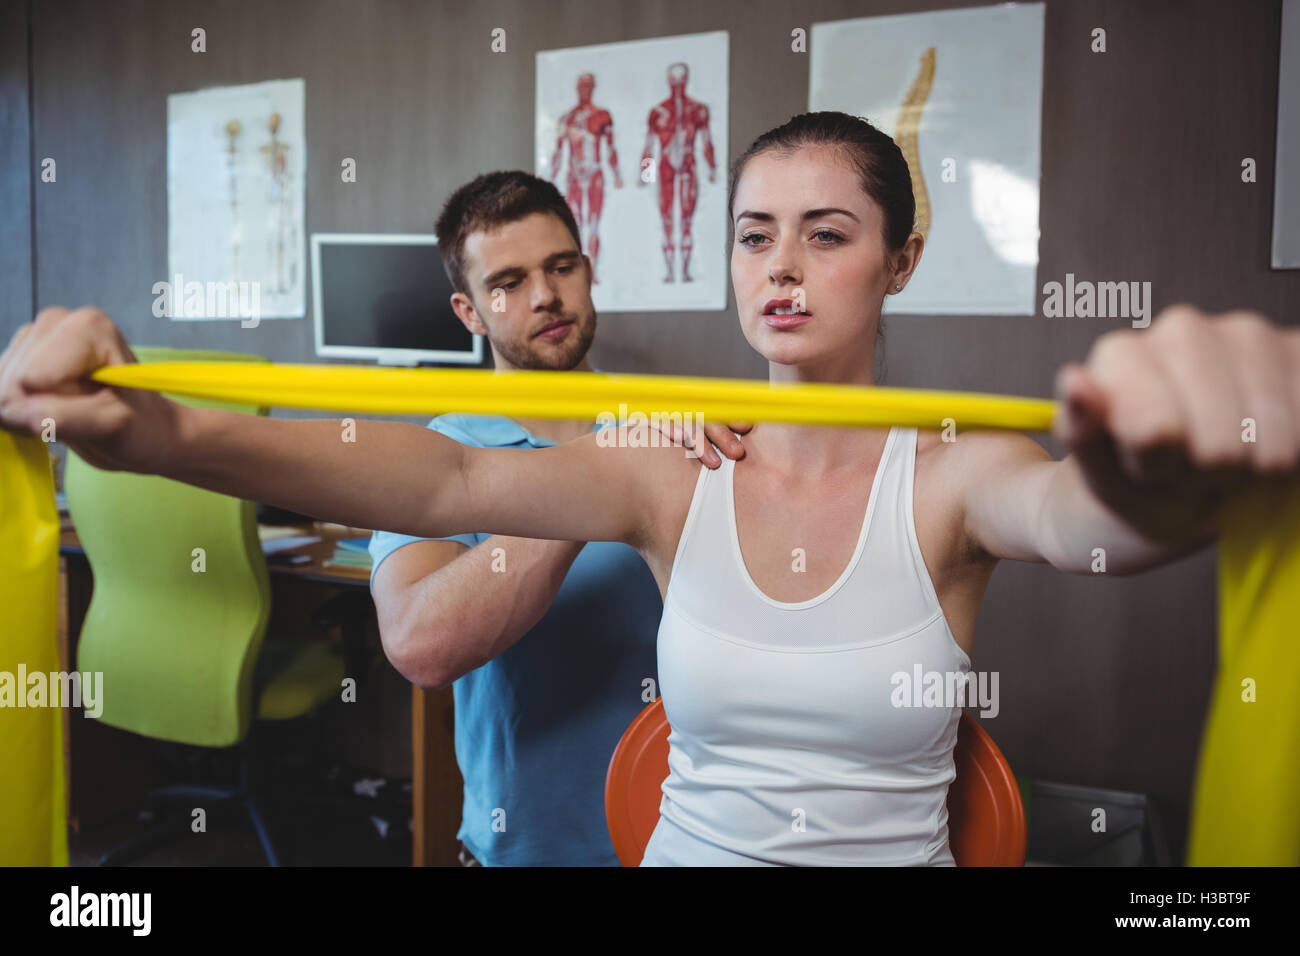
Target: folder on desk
{"points": [[288, 543], [351, 553]]}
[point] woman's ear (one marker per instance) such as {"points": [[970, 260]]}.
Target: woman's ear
{"points": [[905, 261]]}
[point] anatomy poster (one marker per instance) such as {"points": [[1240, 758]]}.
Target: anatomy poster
{"points": [[236, 165], [961, 92], [634, 135]]}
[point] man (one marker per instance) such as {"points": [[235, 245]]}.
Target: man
{"points": [[549, 645]]}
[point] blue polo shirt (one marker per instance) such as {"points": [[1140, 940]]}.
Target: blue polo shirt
{"points": [[536, 726]]}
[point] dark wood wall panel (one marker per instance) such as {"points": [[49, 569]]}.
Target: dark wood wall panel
{"points": [[16, 181]]}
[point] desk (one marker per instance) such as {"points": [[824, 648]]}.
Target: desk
{"points": [[119, 764]]}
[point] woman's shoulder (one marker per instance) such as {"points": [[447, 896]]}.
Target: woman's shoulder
{"points": [[976, 450], [663, 478], [950, 467], [659, 471]]}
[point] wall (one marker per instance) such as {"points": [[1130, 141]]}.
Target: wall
{"points": [[1103, 681], [16, 275]]}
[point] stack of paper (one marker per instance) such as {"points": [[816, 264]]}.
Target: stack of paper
{"points": [[351, 553]]}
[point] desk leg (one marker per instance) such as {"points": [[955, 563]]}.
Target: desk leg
{"points": [[437, 789]]}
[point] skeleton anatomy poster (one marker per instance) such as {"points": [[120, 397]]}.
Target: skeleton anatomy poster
{"points": [[634, 135], [236, 163], [961, 92]]}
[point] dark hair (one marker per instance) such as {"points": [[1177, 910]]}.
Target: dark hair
{"points": [[879, 162], [492, 200]]}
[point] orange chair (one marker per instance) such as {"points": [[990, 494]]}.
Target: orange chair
{"points": [[986, 819]]}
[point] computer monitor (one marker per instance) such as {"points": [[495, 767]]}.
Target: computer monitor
{"points": [[386, 297]]}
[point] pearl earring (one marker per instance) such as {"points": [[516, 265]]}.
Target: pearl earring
{"points": [[897, 287]]}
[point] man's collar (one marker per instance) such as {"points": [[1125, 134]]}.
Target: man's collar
{"points": [[509, 431]]}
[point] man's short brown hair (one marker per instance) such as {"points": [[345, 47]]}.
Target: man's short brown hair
{"points": [[492, 200]]}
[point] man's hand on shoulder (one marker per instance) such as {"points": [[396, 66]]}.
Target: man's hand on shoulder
{"points": [[704, 439]]}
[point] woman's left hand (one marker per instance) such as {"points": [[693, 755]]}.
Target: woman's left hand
{"points": [[1165, 420]]}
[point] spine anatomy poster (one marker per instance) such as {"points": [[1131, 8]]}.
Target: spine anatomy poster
{"points": [[236, 189], [634, 135], [960, 91]]}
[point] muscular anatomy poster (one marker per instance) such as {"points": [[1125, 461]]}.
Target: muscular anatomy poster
{"points": [[961, 92], [635, 137]]}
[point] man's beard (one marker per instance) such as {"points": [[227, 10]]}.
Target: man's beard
{"points": [[522, 354]]}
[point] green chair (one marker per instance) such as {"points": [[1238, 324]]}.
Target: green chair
{"points": [[178, 616]]}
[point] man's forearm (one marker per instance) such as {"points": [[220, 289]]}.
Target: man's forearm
{"points": [[476, 607], [383, 480]]}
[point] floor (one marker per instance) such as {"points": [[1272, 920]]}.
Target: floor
{"points": [[233, 842], [321, 812]]}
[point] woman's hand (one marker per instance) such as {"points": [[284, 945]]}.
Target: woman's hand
{"points": [[1165, 421], [44, 378]]}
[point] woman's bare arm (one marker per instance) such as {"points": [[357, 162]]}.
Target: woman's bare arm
{"points": [[413, 480], [1021, 505], [393, 477], [1163, 427]]}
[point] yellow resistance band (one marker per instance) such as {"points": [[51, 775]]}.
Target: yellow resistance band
{"points": [[1246, 807], [33, 824], [1248, 784], [550, 395]]}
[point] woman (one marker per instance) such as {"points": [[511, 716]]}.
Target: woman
{"points": [[800, 579]]}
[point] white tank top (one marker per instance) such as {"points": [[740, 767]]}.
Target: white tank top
{"points": [[786, 744]]}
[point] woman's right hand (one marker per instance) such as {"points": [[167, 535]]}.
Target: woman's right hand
{"points": [[44, 380]]}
